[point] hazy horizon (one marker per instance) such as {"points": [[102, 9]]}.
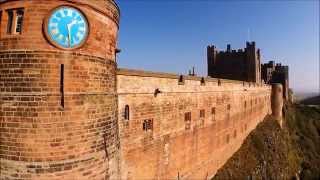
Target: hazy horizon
{"points": [[172, 36]]}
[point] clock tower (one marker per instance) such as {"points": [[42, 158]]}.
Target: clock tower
{"points": [[58, 100]]}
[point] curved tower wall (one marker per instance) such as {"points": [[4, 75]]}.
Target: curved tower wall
{"points": [[46, 134], [277, 102]]}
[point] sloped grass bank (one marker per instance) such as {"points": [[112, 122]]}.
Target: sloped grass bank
{"points": [[270, 152], [304, 126]]}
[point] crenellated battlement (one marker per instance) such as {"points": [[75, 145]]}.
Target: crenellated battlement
{"points": [[276, 73], [151, 74], [241, 64]]}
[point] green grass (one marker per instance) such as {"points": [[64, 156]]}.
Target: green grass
{"points": [[271, 152], [304, 128]]}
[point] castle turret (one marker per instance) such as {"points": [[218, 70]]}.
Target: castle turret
{"points": [[228, 47], [253, 62], [251, 56], [58, 89], [211, 58], [277, 102]]}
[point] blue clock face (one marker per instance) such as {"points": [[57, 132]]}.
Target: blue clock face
{"points": [[67, 27]]}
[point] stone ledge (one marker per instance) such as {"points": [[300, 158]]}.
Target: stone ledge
{"points": [[57, 54], [142, 73]]}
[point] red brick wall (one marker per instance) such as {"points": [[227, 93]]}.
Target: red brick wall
{"points": [[103, 26], [171, 149], [43, 139], [39, 138]]}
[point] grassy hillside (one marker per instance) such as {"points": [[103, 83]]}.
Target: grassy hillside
{"points": [[304, 126], [270, 152]]}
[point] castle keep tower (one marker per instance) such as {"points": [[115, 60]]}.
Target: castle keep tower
{"points": [[276, 73], [242, 64], [58, 97]]}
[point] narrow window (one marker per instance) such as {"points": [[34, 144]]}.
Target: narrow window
{"points": [[181, 80], [15, 21], [144, 125], [228, 114], [228, 138], [213, 110], [19, 21], [187, 120], [187, 116], [245, 104], [105, 146], [62, 85], [203, 82], [126, 112], [202, 113], [10, 19], [148, 125], [219, 82]]}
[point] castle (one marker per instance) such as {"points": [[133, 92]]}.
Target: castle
{"points": [[245, 65], [242, 64], [68, 112], [278, 73]]}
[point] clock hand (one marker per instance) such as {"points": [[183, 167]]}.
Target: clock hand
{"points": [[69, 30]]}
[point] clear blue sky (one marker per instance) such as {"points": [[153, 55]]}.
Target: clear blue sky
{"points": [[171, 36]]}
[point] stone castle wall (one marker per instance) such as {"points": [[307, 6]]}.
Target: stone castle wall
{"points": [[46, 134], [177, 145], [70, 114]]}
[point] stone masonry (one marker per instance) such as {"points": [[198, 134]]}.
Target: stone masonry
{"points": [[221, 114], [46, 134], [72, 114]]}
